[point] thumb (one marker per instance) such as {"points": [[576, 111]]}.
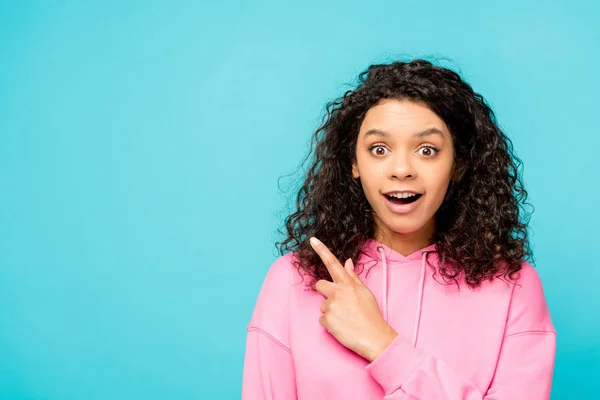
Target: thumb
{"points": [[349, 267]]}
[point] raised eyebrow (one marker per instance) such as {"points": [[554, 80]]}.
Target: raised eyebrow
{"points": [[426, 132], [430, 131], [376, 132]]}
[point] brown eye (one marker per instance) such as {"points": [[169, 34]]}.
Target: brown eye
{"points": [[428, 151], [378, 150]]}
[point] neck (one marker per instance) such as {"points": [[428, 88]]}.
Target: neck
{"points": [[405, 243]]}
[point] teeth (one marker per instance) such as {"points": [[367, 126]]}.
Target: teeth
{"points": [[402, 195]]}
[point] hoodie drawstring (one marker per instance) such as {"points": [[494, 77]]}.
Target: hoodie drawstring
{"points": [[419, 298]]}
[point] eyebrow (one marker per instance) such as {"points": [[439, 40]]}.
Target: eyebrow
{"points": [[426, 132]]}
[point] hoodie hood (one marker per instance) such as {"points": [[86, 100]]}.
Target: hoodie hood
{"points": [[384, 254]]}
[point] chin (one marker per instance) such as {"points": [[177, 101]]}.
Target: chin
{"points": [[402, 224], [404, 228]]}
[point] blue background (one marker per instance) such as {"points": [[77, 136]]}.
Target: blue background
{"points": [[141, 145]]}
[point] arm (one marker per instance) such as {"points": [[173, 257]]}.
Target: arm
{"points": [[268, 364], [525, 367], [523, 371], [268, 368]]}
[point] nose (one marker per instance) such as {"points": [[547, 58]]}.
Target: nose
{"points": [[401, 167]]}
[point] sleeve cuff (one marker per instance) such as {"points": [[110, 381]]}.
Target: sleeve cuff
{"points": [[396, 364]]}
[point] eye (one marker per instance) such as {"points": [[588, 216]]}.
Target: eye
{"points": [[429, 151], [379, 150]]}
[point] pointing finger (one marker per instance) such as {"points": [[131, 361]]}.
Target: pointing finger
{"points": [[335, 268]]}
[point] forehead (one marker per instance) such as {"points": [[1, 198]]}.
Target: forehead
{"points": [[401, 117]]}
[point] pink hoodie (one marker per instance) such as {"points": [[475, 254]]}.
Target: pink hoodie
{"points": [[493, 342]]}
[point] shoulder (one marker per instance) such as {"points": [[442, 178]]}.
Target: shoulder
{"points": [[280, 275], [528, 285], [528, 310], [272, 304]]}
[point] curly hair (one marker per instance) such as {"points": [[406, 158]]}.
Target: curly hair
{"points": [[481, 227]]}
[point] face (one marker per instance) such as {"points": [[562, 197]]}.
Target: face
{"points": [[403, 148]]}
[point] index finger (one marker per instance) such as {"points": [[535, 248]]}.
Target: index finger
{"points": [[335, 268]]}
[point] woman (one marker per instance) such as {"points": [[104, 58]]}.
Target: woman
{"points": [[415, 185]]}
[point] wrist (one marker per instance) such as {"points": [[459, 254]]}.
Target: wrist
{"points": [[379, 345]]}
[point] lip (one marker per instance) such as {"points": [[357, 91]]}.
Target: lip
{"points": [[402, 208], [402, 191]]}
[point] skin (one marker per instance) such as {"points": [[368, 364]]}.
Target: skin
{"points": [[396, 158], [403, 161], [350, 312]]}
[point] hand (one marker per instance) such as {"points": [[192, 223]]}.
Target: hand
{"points": [[350, 311]]}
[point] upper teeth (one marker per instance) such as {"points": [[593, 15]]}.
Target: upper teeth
{"points": [[402, 195]]}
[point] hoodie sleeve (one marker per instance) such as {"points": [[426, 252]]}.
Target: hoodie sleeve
{"points": [[525, 363], [268, 368], [268, 365]]}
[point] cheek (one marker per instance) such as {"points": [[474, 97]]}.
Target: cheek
{"points": [[371, 177], [437, 177], [370, 188], [438, 181]]}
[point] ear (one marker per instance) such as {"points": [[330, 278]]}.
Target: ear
{"points": [[355, 173]]}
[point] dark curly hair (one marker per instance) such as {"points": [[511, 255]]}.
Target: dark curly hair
{"points": [[478, 226]]}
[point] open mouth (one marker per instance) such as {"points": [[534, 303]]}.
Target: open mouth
{"points": [[403, 200]]}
